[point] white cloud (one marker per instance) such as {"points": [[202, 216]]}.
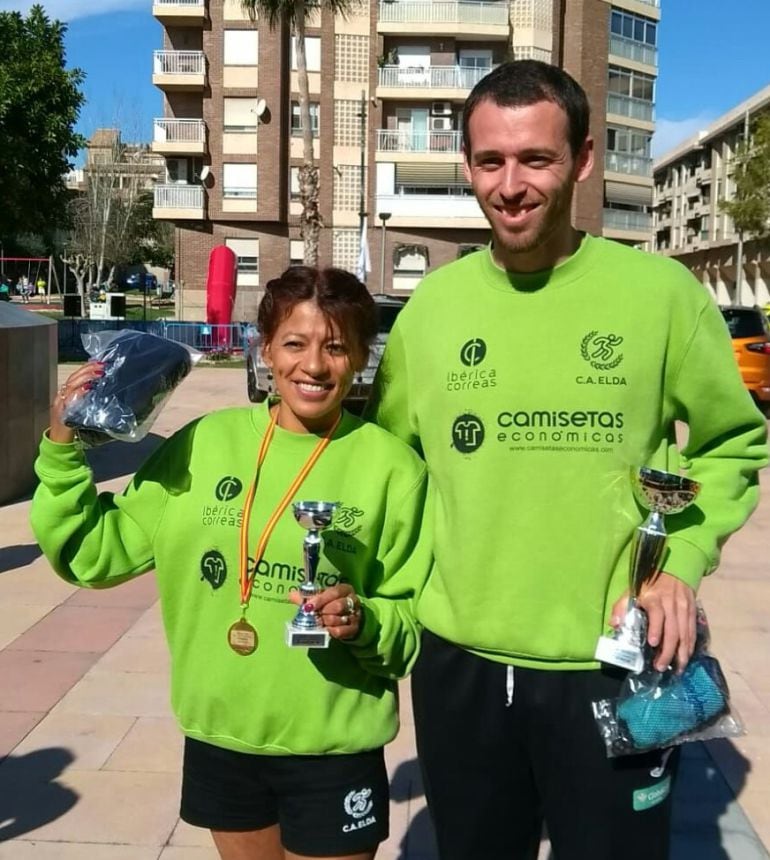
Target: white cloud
{"points": [[68, 10], [669, 133]]}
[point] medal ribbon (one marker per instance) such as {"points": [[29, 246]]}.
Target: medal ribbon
{"points": [[247, 582]]}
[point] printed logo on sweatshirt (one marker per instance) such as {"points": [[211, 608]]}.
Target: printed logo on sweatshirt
{"points": [[467, 433], [358, 805], [273, 580], [587, 430], [228, 488], [472, 353], [214, 568], [346, 520]]}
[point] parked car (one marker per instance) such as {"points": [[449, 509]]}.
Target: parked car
{"points": [[750, 333], [259, 378]]}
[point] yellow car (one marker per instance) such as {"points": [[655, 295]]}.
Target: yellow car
{"points": [[750, 332]]}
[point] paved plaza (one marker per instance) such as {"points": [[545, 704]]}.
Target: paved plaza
{"points": [[91, 754]]}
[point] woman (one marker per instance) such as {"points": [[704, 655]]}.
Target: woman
{"points": [[283, 746]]}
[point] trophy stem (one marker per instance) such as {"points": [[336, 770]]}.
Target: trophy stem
{"points": [[647, 547]]}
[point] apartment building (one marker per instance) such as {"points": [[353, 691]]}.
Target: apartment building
{"points": [[387, 86], [690, 182]]}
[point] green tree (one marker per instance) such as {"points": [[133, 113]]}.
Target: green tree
{"points": [[750, 205], [296, 15], [39, 105]]}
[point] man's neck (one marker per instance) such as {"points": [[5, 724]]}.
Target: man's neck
{"points": [[546, 256]]}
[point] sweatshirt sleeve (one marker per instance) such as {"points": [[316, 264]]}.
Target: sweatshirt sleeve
{"points": [[389, 404], [726, 447], [388, 642], [96, 540]]}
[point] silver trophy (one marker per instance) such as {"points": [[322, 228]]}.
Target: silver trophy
{"points": [[304, 630], [661, 493]]}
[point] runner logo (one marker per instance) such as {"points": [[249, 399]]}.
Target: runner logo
{"points": [[473, 352], [358, 805], [467, 433], [600, 350], [228, 488], [214, 568], [345, 520]]}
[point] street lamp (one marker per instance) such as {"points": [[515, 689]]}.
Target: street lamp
{"points": [[383, 216]]}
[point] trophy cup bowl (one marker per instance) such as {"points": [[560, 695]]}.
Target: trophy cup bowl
{"points": [[661, 493], [304, 630]]}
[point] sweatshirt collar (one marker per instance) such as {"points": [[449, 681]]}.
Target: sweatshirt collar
{"points": [[288, 440]]}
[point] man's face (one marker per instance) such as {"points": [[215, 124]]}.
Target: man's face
{"points": [[522, 172]]}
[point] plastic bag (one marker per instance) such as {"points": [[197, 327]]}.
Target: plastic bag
{"points": [[660, 709], [140, 372]]}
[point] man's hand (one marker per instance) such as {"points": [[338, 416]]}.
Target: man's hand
{"points": [[337, 608], [670, 607]]}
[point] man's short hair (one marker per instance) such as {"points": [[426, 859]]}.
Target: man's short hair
{"points": [[525, 82]]}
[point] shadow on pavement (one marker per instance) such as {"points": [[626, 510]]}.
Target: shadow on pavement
{"points": [[29, 794], [114, 459], [13, 557], [419, 842]]}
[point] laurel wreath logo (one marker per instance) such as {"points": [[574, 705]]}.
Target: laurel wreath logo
{"points": [[604, 348]]}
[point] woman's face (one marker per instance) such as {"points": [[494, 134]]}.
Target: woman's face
{"points": [[312, 367]]}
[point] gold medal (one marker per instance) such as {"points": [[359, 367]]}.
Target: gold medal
{"points": [[242, 638]]}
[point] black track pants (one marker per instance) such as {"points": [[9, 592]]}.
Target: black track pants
{"points": [[503, 749]]}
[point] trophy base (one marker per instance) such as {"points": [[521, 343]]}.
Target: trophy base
{"points": [[618, 653], [297, 637]]}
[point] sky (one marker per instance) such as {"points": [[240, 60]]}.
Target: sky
{"points": [[710, 59]]}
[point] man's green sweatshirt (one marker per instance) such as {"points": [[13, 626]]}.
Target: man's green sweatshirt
{"points": [[532, 397], [181, 515]]}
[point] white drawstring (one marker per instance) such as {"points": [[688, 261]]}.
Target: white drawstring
{"points": [[509, 687]]}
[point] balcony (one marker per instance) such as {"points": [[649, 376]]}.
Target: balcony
{"points": [[179, 136], [628, 221], [623, 162], [179, 70], [466, 18], [633, 50], [412, 142], [628, 106], [176, 13], [414, 80], [448, 209], [179, 202]]}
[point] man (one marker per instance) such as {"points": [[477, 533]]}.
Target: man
{"points": [[532, 376]]}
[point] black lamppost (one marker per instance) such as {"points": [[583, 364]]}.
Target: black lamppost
{"points": [[383, 216]]}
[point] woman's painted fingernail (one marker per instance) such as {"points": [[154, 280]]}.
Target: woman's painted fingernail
{"points": [[309, 607]]}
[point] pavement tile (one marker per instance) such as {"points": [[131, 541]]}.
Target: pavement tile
{"points": [[151, 746], [149, 625], [101, 806], [36, 680], [37, 585], [140, 694], [20, 850], [174, 853], [134, 653], [17, 619], [15, 726], [139, 593], [90, 738], [80, 629], [187, 836]]}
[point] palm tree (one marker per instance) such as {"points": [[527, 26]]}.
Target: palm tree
{"points": [[297, 13]]}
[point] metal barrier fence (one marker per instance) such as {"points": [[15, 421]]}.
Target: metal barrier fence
{"points": [[204, 337]]}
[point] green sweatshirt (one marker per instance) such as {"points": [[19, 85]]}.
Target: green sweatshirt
{"points": [[531, 397], [181, 515]]}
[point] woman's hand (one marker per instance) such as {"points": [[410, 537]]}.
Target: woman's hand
{"points": [[337, 608], [76, 386]]}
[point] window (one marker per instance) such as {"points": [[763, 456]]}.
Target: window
{"points": [[241, 47], [626, 82], [628, 140], [296, 252], [409, 265], [240, 180], [312, 53], [296, 122], [240, 114], [294, 183], [247, 255], [634, 27]]}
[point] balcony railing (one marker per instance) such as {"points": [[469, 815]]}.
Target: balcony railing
{"points": [[620, 219], [179, 131], [632, 50], [418, 141], [200, 3], [448, 205], [179, 197], [630, 107], [655, 3], [624, 162], [433, 77], [179, 63], [442, 12]]}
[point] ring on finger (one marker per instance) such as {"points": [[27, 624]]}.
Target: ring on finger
{"points": [[350, 606], [344, 620], [62, 391]]}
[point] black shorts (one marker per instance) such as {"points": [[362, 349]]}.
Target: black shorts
{"points": [[325, 805]]}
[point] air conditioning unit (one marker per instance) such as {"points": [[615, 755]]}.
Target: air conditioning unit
{"points": [[441, 123], [441, 108]]}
